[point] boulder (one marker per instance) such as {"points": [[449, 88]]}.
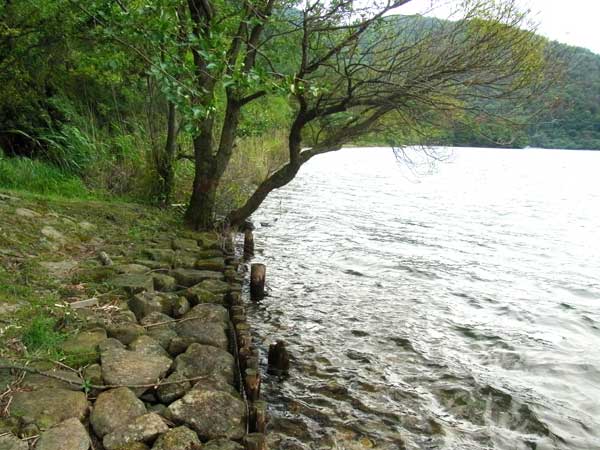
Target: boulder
{"points": [[141, 429], [11, 442], [154, 265], [215, 264], [36, 382], [222, 444], [54, 235], [162, 333], [134, 283], [70, 434], [215, 286], [212, 414], [211, 333], [29, 214], [209, 241], [191, 277], [125, 332], [49, 407], [184, 244], [184, 259], [132, 269], [125, 367], [205, 360], [198, 295], [179, 345], [85, 343], [208, 313], [164, 255], [115, 408], [164, 283], [145, 303], [148, 346], [180, 438], [168, 393], [180, 307]]}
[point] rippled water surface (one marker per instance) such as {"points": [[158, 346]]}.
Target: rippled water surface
{"points": [[454, 310]]}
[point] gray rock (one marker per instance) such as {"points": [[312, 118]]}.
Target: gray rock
{"points": [[207, 333], [11, 442], [164, 255], [154, 265], [215, 286], [212, 414], [115, 408], [36, 382], [132, 269], [191, 277], [125, 367], [184, 260], [48, 407], [180, 438], [198, 295], [148, 346], [29, 214], [222, 444], [216, 264], [209, 241], [70, 434], [180, 307], [110, 343], [162, 333], [125, 332], [205, 360], [145, 303], [93, 374], [179, 345], [168, 393], [185, 244], [164, 283], [142, 429], [85, 343], [134, 283], [53, 234], [208, 313], [208, 254]]}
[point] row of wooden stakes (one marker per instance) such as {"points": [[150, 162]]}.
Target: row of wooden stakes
{"points": [[247, 353]]}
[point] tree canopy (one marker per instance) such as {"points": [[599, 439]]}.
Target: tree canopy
{"points": [[176, 89]]}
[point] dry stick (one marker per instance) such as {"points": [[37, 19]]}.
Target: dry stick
{"points": [[97, 386], [167, 322]]}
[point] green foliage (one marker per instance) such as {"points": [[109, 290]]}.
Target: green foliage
{"points": [[22, 173], [40, 335]]}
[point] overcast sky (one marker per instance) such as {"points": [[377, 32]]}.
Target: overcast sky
{"points": [[574, 22]]}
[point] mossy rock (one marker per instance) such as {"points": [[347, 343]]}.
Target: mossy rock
{"points": [[49, 407], [84, 345]]}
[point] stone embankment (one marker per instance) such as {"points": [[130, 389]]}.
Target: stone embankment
{"points": [[172, 366]]}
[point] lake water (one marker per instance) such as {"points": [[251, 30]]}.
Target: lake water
{"points": [[454, 309]]}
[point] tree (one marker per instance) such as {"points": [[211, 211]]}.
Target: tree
{"points": [[350, 70]]}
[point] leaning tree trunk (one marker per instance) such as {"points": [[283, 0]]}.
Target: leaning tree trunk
{"points": [[280, 178]]}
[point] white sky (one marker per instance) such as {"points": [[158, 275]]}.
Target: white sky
{"points": [[574, 22]]}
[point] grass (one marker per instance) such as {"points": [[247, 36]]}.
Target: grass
{"points": [[41, 335], [41, 178]]}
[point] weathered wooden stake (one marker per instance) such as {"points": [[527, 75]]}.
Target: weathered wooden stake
{"points": [[248, 244], [258, 274], [279, 359], [252, 383], [258, 416], [255, 441], [228, 243]]}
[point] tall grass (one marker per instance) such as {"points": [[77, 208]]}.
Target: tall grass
{"points": [[40, 177]]}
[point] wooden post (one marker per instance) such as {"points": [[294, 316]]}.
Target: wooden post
{"points": [[258, 274], [258, 417], [255, 441], [252, 383], [279, 359], [248, 244], [228, 245]]}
